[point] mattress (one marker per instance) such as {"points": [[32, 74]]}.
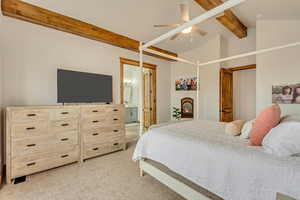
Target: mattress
{"points": [[225, 165]]}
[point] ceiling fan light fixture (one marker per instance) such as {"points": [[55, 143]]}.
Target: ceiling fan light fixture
{"points": [[187, 30]]}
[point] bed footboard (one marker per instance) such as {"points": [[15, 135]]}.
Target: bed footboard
{"points": [[174, 184]]}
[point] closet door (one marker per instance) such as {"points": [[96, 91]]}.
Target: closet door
{"points": [[226, 95]]}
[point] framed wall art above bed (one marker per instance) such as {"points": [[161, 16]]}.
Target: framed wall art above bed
{"points": [[286, 94]]}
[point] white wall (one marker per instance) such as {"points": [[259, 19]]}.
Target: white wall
{"points": [[209, 79], [234, 46], [277, 67], [33, 53]]}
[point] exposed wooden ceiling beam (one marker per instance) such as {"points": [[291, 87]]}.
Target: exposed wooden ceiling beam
{"points": [[34, 14], [229, 19]]}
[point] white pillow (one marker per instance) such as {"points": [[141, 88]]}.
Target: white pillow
{"points": [[294, 117], [284, 139], [246, 130]]}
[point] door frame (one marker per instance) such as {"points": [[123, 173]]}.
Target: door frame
{"points": [[232, 69], [245, 67], [136, 63]]}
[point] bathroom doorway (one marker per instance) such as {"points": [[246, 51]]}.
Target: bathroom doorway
{"points": [[129, 93]]}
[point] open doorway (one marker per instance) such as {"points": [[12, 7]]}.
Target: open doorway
{"points": [[237, 93], [130, 84]]}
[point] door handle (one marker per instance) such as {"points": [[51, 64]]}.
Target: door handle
{"points": [[31, 164], [226, 111]]}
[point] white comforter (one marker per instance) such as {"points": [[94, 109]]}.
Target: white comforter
{"points": [[225, 165]]}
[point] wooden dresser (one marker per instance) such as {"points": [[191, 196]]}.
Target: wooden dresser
{"points": [[102, 129], [44, 137]]}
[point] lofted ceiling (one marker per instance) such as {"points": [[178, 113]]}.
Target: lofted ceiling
{"points": [[135, 18]]}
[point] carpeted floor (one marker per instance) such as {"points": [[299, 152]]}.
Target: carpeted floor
{"points": [[110, 177], [132, 132]]}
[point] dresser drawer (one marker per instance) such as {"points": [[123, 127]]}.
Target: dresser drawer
{"points": [[115, 119], [29, 165], [101, 121], [66, 113], [44, 144], [93, 122], [102, 134], [29, 115], [100, 149], [101, 110], [29, 129], [63, 125], [66, 139]]}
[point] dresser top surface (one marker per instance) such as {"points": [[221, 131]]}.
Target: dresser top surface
{"points": [[9, 108]]}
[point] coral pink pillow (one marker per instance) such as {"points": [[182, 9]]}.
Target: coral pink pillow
{"points": [[267, 119]]}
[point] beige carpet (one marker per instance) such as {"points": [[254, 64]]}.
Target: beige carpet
{"points": [[110, 177], [132, 132]]}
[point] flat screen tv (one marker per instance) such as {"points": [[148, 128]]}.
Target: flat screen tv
{"points": [[81, 87]]}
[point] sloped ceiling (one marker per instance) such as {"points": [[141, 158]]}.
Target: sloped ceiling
{"points": [[135, 18]]}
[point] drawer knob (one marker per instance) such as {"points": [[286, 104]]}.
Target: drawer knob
{"points": [[65, 124], [64, 139], [30, 128], [95, 149], [116, 131], [95, 111], [115, 110], [95, 121], [115, 144], [31, 115], [31, 145], [31, 164], [65, 113], [64, 156], [95, 134], [115, 119]]}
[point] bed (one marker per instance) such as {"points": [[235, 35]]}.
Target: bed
{"points": [[227, 166]]}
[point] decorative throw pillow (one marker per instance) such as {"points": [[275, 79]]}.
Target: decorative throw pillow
{"points": [[284, 139], [234, 128], [246, 130], [266, 120]]}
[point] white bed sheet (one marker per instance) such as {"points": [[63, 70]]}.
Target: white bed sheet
{"points": [[225, 165]]}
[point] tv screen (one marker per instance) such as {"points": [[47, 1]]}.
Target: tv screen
{"points": [[81, 87]]}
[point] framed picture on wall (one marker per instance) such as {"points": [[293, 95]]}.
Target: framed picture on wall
{"points": [[186, 84], [286, 94]]}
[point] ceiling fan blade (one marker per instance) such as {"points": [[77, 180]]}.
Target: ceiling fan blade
{"points": [[175, 36], [167, 25], [199, 31], [184, 10]]}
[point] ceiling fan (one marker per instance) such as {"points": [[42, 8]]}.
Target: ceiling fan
{"points": [[185, 17]]}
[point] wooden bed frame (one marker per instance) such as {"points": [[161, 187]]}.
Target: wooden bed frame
{"points": [[180, 187]]}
